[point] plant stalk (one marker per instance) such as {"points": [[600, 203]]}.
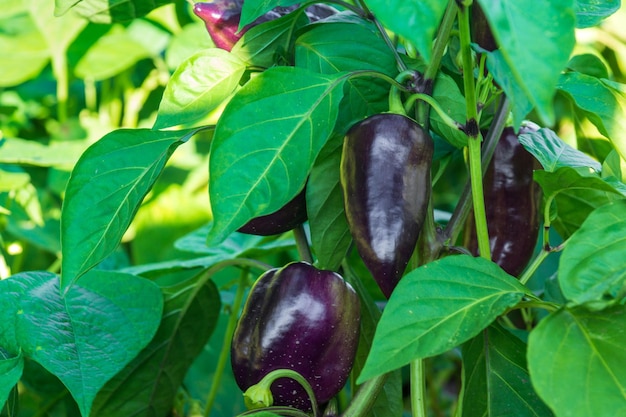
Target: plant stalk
{"points": [[230, 329], [365, 397], [418, 388]]}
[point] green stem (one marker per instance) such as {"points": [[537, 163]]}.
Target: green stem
{"points": [[59, 68], [439, 49], [433, 103], [532, 268], [302, 243], [418, 389], [270, 378], [457, 221], [228, 335], [282, 411], [365, 397], [473, 132]]}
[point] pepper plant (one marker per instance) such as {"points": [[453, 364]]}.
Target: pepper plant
{"points": [[141, 139]]}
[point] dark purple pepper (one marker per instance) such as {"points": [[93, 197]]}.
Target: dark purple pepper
{"points": [[511, 205], [302, 318], [284, 219], [481, 32], [385, 174]]}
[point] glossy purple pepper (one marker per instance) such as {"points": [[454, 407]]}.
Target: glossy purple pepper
{"points": [[302, 318], [385, 174]]}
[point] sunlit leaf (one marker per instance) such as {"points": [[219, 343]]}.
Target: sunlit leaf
{"points": [[437, 307], [105, 190], [266, 142]]}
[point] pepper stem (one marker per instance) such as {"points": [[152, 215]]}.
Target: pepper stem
{"points": [[260, 394]]}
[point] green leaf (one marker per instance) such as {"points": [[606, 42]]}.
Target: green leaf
{"points": [[576, 193], [237, 245], [24, 49], [262, 45], [534, 45], [330, 235], [418, 23], [592, 12], [89, 334], [450, 99], [192, 39], [588, 64], [504, 75], [495, 378], [105, 190], [30, 152], [576, 361], [199, 86], [148, 385], [593, 264], [552, 153], [109, 55], [438, 306], [614, 166], [109, 11], [602, 101], [266, 142], [11, 368], [252, 9], [58, 31], [335, 47]]}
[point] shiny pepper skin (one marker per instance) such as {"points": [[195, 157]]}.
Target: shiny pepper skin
{"points": [[282, 220], [302, 318], [511, 205], [385, 174]]}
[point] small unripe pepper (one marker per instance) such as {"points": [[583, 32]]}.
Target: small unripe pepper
{"points": [[300, 318], [385, 174], [511, 205]]}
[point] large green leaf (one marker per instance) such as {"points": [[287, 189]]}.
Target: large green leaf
{"points": [[552, 153], [576, 361], [266, 142], [438, 306], [495, 378], [416, 21], [266, 44], [593, 264], [199, 86], [535, 46], [592, 12], [575, 193], [603, 101], [105, 190], [109, 11], [89, 334], [148, 385]]}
